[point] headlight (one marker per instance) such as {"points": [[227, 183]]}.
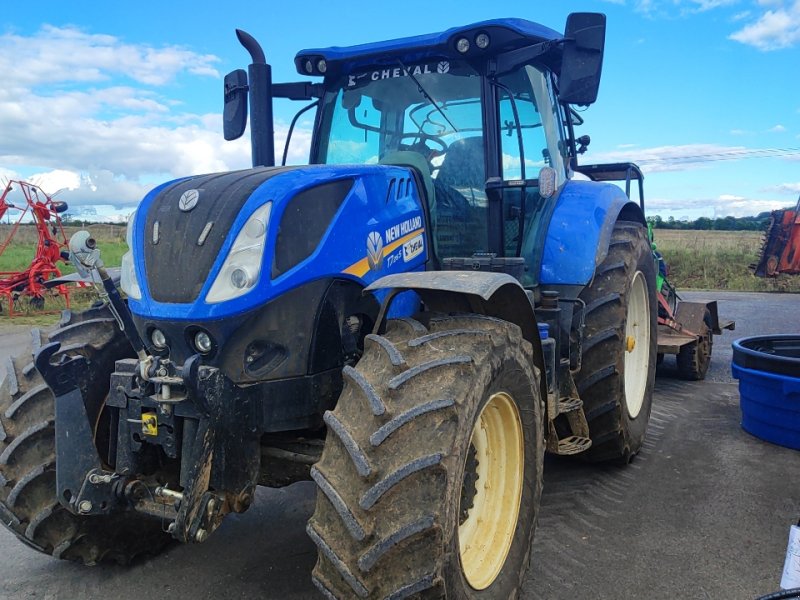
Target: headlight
{"points": [[202, 341], [159, 339], [128, 281], [241, 268]]}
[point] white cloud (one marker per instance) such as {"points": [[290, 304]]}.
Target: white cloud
{"points": [[59, 180], [704, 5], [721, 206], [671, 8], [775, 29], [87, 113], [741, 16], [668, 158], [6, 174], [59, 54], [119, 166], [784, 188], [777, 129], [688, 156]]}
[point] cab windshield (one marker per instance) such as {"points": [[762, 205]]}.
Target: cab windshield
{"points": [[427, 116]]}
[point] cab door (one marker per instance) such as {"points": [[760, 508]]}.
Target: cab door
{"points": [[530, 138]]}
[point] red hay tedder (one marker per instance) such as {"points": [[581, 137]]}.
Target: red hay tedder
{"points": [[780, 252], [31, 285]]}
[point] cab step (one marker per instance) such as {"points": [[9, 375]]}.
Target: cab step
{"points": [[574, 444], [566, 405], [566, 408]]}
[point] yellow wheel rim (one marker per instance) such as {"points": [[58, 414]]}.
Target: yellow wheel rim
{"points": [[637, 345], [485, 536]]}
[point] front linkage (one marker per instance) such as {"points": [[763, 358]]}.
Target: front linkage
{"points": [[177, 427], [193, 413]]}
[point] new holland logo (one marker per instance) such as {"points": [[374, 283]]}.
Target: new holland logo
{"points": [[443, 67], [188, 200], [375, 251]]}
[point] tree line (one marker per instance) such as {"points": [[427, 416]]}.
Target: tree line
{"points": [[756, 223]]}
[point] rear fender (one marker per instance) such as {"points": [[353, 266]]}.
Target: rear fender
{"points": [[580, 230], [493, 294]]}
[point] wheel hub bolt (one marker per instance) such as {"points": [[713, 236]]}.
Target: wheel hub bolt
{"points": [[85, 506]]}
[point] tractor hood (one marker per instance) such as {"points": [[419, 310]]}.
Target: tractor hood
{"points": [[291, 224], [195, 213]]}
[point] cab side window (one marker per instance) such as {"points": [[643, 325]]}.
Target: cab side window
{"points": [[539, 122], [531, 137]]}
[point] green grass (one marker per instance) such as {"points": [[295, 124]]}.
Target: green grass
{"points": [[718, 260], [17, 257], [711, 260]]}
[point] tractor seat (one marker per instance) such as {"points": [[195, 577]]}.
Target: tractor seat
{"points": [[463, 165]]}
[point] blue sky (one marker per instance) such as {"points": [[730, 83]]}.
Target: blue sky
{"points": [[104, 100]]}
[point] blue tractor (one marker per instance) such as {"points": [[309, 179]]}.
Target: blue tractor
{"points": [[410, 321]]}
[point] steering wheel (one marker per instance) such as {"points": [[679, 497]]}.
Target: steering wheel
{"points": [[420, 146]]}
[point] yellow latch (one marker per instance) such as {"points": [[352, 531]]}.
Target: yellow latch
{"points": [[630, 343], [150, 424]]}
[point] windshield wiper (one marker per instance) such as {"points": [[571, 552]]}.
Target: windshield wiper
{"points": [[426, 94]]}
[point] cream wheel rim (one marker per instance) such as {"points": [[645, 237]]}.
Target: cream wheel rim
{"points": [[637, 345], [485, 537]]}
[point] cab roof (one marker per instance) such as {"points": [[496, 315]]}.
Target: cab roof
{"points": [[504, 35]]}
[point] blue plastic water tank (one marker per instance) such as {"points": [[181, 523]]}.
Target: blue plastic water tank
{"points": [[768, 370]]}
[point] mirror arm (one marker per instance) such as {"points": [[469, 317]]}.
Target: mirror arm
{"points": [[299, 90], [301, 112], [510, 60]]}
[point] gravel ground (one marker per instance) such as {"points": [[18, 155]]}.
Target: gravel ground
{"points": [[703, 512]]}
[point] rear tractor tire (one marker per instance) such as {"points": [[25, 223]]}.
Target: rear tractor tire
{"points": [[28, 503], [431, 477], [619, 346]]}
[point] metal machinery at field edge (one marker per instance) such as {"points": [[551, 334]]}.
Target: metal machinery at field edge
{"points": [[31, 284]]}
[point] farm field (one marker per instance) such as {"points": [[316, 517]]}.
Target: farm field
{"points": [[704, 260], [19, 253], [717, 260]]}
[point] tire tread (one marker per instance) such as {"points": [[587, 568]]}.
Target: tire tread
{"points": [[600, 382]]}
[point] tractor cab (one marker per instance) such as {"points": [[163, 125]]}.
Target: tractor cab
{"points": [[480, 114]]}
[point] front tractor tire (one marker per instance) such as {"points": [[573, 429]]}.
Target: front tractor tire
{"points": [[430, 481], [620, 346], [28, 503]]}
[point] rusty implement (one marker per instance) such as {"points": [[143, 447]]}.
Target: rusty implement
{"points": [[780, 252], [688, 332]]}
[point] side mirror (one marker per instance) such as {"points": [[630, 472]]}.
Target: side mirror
{"points": [[582, 58], [84, 253], [234, 115]]}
